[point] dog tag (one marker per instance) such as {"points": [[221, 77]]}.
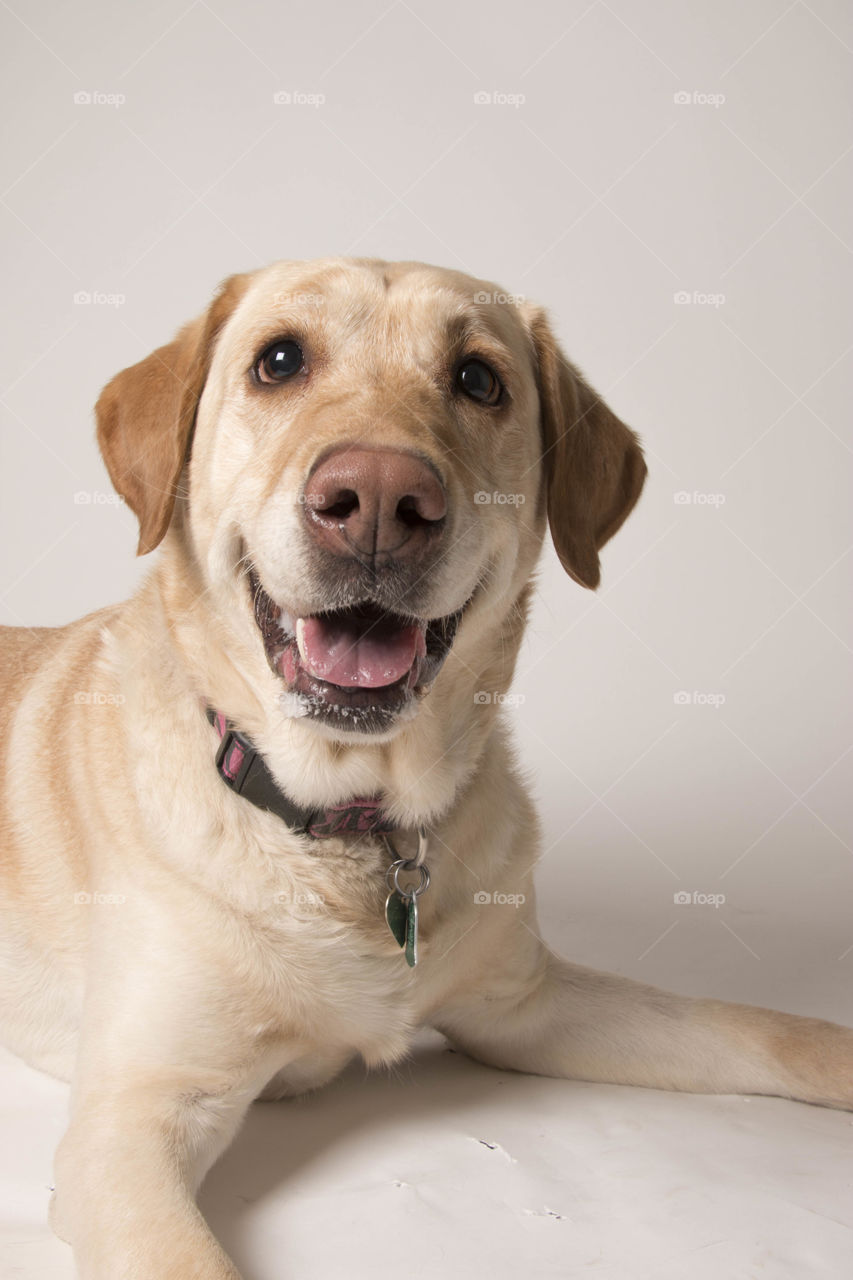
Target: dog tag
{"points": [[412, 932], [397, 915], [401, 905]]}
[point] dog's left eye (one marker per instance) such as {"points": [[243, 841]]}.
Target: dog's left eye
{"points": [[479, 382], [280, 361]]}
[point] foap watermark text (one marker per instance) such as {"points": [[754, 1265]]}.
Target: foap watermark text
{"points": [[696, 698], [298, 98], [483, 498], [698, 98], [483, 698], [697, 899], [694, 498], [497, 98], [696, 298], [482, 898], [96, 98]]}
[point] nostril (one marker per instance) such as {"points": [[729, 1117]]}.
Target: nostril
{"points": [[344, 504], [409, 512]]}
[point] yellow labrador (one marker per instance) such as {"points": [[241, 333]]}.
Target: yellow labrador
{"points": [[249, 814]]}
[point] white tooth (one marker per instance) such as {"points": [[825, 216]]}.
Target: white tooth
{"points": [[300, 638], [285, 621]]}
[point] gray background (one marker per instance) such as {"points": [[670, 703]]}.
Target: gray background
{"points": [[658, 149], [603, 197]]}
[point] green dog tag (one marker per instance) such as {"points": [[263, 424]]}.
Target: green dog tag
{"points": [[412, 933], [402, 916], [397, 916]]}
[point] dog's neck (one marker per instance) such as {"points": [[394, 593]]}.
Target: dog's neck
{"points": [[418, 772], [243, 769]]}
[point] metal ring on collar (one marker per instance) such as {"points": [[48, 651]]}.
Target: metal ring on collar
{"points": [[423, 846], [407, 867]]}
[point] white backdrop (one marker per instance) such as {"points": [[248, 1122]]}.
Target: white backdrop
{"points": [[673, 181]]}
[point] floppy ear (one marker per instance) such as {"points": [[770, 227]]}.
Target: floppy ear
{"points": [[594, 468], [145, 416]]}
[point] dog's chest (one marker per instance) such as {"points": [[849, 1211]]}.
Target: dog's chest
{"points": [[322, 968], [328, 972], [343, 994]]}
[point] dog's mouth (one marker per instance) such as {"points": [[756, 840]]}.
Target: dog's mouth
{"points": [[356, 668]]}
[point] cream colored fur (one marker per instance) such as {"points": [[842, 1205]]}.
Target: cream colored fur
{"points": [[215, 956]]}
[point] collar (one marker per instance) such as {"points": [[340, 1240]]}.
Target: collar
{"points": [[242, 768]]}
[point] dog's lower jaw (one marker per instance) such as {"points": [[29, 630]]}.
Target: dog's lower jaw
{"points": [[383, 664]]}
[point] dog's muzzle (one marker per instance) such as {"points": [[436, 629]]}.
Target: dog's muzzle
{"points": [[377, 520]]}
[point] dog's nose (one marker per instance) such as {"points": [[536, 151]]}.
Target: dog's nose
{"points": [[371, 502]]}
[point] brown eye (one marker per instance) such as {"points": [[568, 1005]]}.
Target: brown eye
{"points": [[479, 382], [280, 361]]}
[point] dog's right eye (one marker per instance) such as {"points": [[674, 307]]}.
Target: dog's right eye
{"points": [[280, 361], [479, 382]]}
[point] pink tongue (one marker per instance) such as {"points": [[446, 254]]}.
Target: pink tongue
{"points": [[376, 655]]}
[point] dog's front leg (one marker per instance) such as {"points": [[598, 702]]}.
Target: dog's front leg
{"points": [[138, 1145], [532, 1011]]}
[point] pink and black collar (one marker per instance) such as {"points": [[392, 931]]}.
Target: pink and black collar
{"points": [[244, 770]]}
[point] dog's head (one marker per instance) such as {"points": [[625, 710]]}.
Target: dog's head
{"points": [[363, 454]]}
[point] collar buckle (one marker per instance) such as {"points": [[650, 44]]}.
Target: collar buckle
{"points": [[243, 769], [234, 758]]}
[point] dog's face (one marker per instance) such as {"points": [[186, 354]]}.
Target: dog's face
{"points": [[371, 449]]}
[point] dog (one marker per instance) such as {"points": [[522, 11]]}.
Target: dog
{"points": [[249, 814]]}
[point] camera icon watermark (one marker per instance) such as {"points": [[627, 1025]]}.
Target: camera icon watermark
{"points": [[697, 899], [696, 698], [684, 498]]}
